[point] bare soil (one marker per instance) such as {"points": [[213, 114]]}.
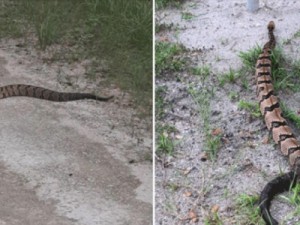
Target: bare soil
{"points": [[186, 186], [82, 162]]}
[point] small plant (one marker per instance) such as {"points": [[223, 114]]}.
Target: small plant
{"points": [[159, 102], [202, 98], [164, 3], [247, 207], [201, 71], [213, 219], [187, 16], [165, 144], [253, 108], [290, 115], [250, 57], [297, 34], [229, 77], [165, 57], [233, 95], [294, 198]]}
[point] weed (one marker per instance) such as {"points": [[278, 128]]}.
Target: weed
{"points": [[213, 219], [201, 71], [229, 77], [202, 98], [233, 95], [290, 115], [253, 108], [173, 186], [247, 207], [297, 34], [159, 102], [164, 3], [165, 57], [165, 144], [187, 16], [250, 57]]}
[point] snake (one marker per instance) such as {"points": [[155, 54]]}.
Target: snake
{"points": [[277, 125], [14, 90]]}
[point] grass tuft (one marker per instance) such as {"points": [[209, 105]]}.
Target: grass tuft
{"points": [[253, 108], [246, 206], [165, 57]]}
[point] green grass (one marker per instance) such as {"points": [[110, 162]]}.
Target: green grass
{"points": [[290, 115], [213, 219], [164, 143], [250, 57], [203, 71], [168, 57], [164, 3], [159, 102], [202, 98], [229, 77], [246, 207], [253, 108], [187, 16], [117, 31], [297, 34]]}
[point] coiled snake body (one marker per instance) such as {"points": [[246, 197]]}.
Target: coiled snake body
{"points": [[277, 125]]}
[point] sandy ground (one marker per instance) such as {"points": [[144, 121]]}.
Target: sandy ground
{"points": [[217, 32], [83, 162]]}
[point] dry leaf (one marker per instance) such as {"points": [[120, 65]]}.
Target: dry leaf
{"points": [[192, 214], [188, 170], [187, 194], [194, 220], [215, 208], [178, 137], [216, 131]]}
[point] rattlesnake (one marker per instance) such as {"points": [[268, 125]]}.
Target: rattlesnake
{"points": [[43, 93], [282, 134]]}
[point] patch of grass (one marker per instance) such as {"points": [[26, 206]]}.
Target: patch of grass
{"points": [[250, 57], [246, 206], [118, 31], [201, 71], [187, 16], [173, 186], [229, 77], [294, 198], [213, 219], [253, 108], [290, 115], [297, 34], [164, 143], [165, 58], [164, 3], [233, 96], [202, 98], [159, 102]]}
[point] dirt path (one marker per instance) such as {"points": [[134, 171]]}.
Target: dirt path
{"points": [[208, 191], [81, 162]]}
